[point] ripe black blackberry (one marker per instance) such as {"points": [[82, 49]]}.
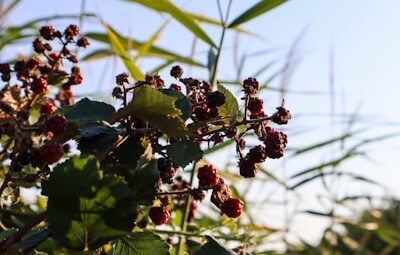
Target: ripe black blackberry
{"points": [[257, 154], [215, 99], [176, 72], [255, 105], [251, 85], [247, 168]]}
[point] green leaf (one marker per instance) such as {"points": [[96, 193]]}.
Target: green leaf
{"points": [[123, 54], [255, 11], [145, 48], [214, 247], [156, 108], [87, 110], [86, 210], [94, 129], [126, 154], [231, 107], [98, 145], [179, 15], [183, 153], [141, 243], [144, 181], [182, 103]]}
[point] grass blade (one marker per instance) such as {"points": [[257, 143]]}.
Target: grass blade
{"points": [[255, 11]]}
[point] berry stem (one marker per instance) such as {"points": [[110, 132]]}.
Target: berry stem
{"points": [[186, 214], [198, 234], [179, 192]]}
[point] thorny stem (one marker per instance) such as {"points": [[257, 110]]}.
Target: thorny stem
{"points": [[185, 214]]}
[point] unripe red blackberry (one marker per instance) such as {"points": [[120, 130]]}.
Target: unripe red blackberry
{"points": [[232, 207], [71, 31], [176, 72], [215, 99], [48, 108], [247, 168], [159, 215], [32, 63], [38, 46], [51, 152], [257, 154], [255, 105], [275, 142], [208, 176], [82, 42], [48, 32], [57, 124], [39, 86], [176, 87], [251, 85]]}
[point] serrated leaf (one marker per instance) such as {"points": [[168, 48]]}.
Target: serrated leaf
{"points": [[231, 107], [156, 108], [255, 11], [123, 54], [143, 182], [87, 110], [182, 103], [94, 129], [91, 209], [179, 15], [141, 243], [183, 153], [214, 247]]}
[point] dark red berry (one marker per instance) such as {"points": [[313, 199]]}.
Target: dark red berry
{"points": [[247, 168], [76, 76], [71, 31], [198, 194], [176, 87], [251, 85], [275, 142], [255, 105], [32, 63], [23, 158], [257, 154], [38, 46], [232, 207], [39, 86], [208, 176], [167, 170], [176, 72], [83, 42], [66, 148], [57, 124], [192, 210], [215, 99], [51, 152], [159, 215], [48, 108], [48, 32], [5, 68]]}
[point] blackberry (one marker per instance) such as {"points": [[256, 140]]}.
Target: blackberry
{"points": [[275, 142], [82, 42], [257, 154], [57, 124], [232, 207], [159, 215], [215, 99], [48, 32], [251, 85], [176, 87], [51, 152], [39, 86], [255, 105], [47, 108], [208, 176], [247, 168], [176, 72]]}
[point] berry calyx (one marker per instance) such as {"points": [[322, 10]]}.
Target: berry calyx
{"points": [[52, 152], [57, 124], [232, 207], [208, 176], [159, 215], [39, 86], [255, 105], [215, 99]]}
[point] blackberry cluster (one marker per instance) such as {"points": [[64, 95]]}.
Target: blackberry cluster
{"points": [[26, 84]]}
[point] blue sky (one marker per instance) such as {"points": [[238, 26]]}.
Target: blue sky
{"points": [[357, 41]]}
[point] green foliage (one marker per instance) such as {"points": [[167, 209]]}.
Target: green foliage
{"points": [[230, 108], [91, 209], [156, 108], [184, 152], [255, 11], [214, 247], [141, 243], [87, 110]]}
